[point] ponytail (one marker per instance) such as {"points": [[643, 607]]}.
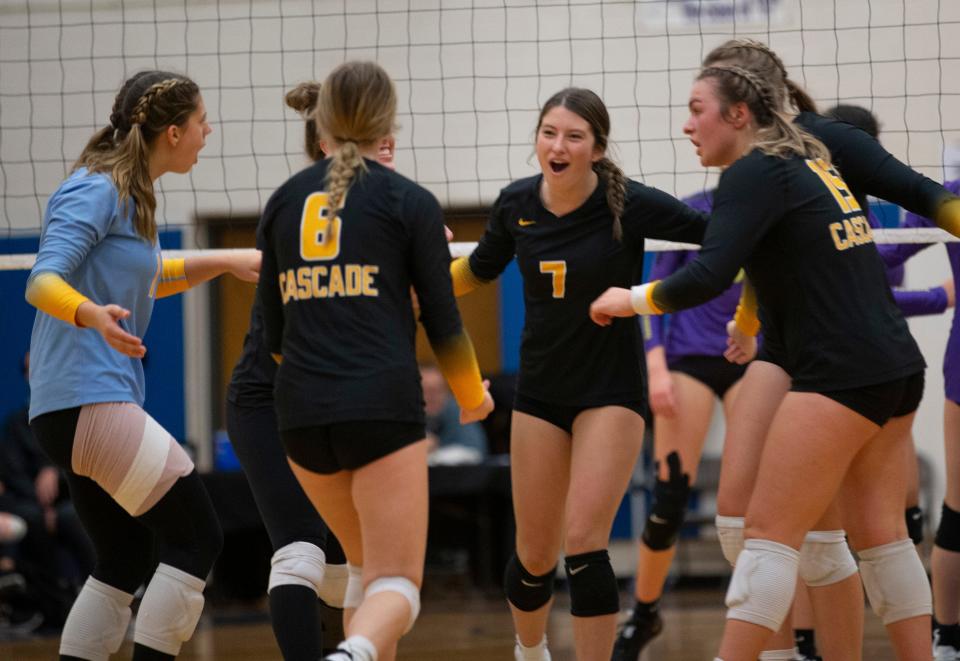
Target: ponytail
{"points": [[344, 166]]}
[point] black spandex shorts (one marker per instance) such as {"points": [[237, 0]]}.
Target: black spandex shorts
{"points": [[715, 372], [883, 401], [348, 445], [561, 415]]}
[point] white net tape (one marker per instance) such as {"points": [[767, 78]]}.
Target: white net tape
{"points": [[462, 249]]}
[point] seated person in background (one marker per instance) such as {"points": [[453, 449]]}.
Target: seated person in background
{"points": [[55, 555], [12, 530], [450, 442]]}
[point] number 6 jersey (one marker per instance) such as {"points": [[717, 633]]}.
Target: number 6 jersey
{"points": [[335, 291]]}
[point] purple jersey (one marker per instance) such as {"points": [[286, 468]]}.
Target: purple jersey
{"points": [[915, 303], [698, 331], [894, 273], [894, 254]]}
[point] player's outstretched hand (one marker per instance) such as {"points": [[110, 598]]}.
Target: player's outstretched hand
{"points": [[480, 412], [245, 265], [615, 302], [105, 319], [741, 347]]}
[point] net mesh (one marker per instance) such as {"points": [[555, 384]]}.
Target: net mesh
{"points": [[470, 74]]}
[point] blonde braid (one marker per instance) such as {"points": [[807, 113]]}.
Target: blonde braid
{"points": [[753, 44], [616, 184], [344, 164]]}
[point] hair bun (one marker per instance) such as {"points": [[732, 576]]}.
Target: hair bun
{"points": [[303, 97]]}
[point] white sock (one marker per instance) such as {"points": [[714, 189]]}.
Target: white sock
{"points": [[777, 655], [538, 652], [360, 648]]}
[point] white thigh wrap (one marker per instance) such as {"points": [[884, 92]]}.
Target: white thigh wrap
{"points": [[353, 596], [298, 563], [128, 453], [169, 610], [404, 587], [730, 533], [333, 590], [761, 589], [825, 558], [97, 622], [895, 581]]}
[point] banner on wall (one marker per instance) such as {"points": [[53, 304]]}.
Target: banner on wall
{"points": [[696, 14]]}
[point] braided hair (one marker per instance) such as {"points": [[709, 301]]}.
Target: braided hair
{"points": [[147, 103], [777, 134], [757, 57], [590, 107]]}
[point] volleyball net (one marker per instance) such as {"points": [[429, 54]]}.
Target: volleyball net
{"points": [[471, 76]]}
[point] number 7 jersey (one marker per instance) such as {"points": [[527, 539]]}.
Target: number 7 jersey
{"points": [[566, 262]]}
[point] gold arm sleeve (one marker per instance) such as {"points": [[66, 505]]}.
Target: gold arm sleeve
{"points": [[458, 362], [746, 315], [464, 281], [173, 278], [948, 216], [50, 293]]}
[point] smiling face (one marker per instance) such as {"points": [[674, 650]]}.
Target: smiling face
{"points": [[566, 148], [711, 129]]}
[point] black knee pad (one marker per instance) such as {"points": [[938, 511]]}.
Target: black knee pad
{"points": [[914, 517], [948, 533], [670, 498], [524, 590], [593, 585]]}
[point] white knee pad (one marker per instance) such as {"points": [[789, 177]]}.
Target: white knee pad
{"points": [[298, 563], [404, 587], [825, 558], [895, 581], [761, 589], [353, 596], [333, 590], [97, 622], [730, 533], [170, 610]]}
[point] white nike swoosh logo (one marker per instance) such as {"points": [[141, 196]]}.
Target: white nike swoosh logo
{"points": [[576, 570], [531, 585], [656, 519]]}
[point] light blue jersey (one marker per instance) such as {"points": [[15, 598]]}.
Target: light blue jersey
{"points": [[89, 242]]}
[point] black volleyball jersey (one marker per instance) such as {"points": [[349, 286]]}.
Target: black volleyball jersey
{"points": [[251, 383], [808, 249], [869, 169], [566, 263], [336, 299]]}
